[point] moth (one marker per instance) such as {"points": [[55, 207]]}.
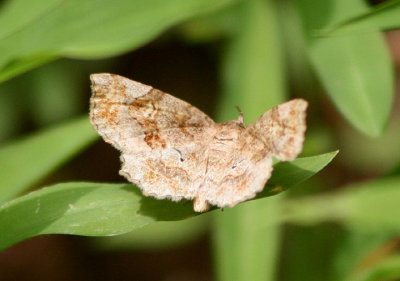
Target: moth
{"points": [[170, 149]]}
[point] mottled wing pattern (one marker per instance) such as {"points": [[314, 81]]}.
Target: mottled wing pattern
{"points": [[282, 129], [236, 174], [171, 149], [130, 115], [174, 172], [239, 167], [159, 135]]}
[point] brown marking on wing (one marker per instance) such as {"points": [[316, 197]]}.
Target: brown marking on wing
{"points": [[118, 86], [244, 184], [175, 172], [181, 119], [105, 107], [147, 124], [256, 157], [141, 122], [151, 176], [282, 129], [153, 139], [108, 112], [158, 171], [186, 132], [147, 102]]}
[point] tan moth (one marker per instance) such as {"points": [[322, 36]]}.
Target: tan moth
{"points": [[170, 149]]}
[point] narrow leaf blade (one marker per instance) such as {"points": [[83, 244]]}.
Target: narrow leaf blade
{"points": [[381, 17], [356, 70], [87, 29], [26, 161], [287, 174], [364, 206], [91, 209], [253, 78]]}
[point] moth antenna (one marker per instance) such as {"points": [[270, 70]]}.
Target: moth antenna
{"points": [[214, 164], [240, 118]]}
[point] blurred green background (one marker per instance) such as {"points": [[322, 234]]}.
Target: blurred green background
{"points": [[342, 56]]}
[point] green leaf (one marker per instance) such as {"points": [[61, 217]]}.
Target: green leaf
{"points": [[89, 209], [157, 236], [307, 252], [24, 162], [373, 206], [287, 174], [253, 78], [10, 14], [367, 206], [386, 270], [381, 17], [356, 70], [246, 244], [241, 221], [252, 69], [55, 91], [395, 171], [367, 210], [209, 27], [92, 209], [86, 29], [20, 66], [359, 252]]}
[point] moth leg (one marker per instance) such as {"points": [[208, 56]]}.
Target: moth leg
{"points": [[200, 205]]}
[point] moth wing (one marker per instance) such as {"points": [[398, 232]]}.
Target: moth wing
{"points": [[244, 171], [175, 171], [282, 129], [129, 114], [236, 175]]}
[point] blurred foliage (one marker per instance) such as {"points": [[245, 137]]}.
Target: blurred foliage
{"points": [[380, 17], [339, 225], [95, 209], [251, 51], [364, 92], [156, 236], [26, 161]]}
